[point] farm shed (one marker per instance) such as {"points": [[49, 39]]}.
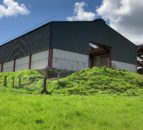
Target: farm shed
{"points": [[69, 46], [140, 58]]}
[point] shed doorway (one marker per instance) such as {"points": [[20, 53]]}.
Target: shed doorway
{"points": [[99, 55]]}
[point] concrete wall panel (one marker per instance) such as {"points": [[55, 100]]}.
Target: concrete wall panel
{"points": [[125, 66], [22, 63], [65, 60], [8, 66], [40, 60]]}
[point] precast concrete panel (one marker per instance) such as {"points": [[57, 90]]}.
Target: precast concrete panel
{"points": [[124, 66], [40, 60], [8, 66], [66, 60], [22, 63]]}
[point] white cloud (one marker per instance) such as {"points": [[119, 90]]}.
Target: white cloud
{"points": [[12, 8], [125, 16], [80, 14]]}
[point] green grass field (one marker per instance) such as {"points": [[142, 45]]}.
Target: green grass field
{"points": [[40, 112], [92, 99]]}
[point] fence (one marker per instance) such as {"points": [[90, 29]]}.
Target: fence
{"points": [[31, 84]]}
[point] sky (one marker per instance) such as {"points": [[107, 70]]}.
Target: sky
{"points": [[20, 16]]}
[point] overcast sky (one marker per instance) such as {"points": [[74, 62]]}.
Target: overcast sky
{"points": [[20, 16]]}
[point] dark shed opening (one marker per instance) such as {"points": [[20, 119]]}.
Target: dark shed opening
{"points": [[99, 55]]}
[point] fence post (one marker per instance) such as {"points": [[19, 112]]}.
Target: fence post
{"points": [[77, 66], [44, 86], [58, 77], [13, 82], [19, 83], [5, 81]]}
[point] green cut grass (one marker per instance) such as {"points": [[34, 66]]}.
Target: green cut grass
{"points": [[99, 80], [85, 82], [100, 112]]}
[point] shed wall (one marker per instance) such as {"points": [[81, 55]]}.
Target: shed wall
{"points": [[8, 66], [66, 60], [30, 43], [0, 67], [79, 34], [22, 63], [40, 60], [124, 66]]}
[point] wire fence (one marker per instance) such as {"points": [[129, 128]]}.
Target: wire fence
{"points": [[22, 82], [35, 84]]}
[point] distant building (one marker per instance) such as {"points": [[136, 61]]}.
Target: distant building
{"points": [[69, 46], [140, 58]]}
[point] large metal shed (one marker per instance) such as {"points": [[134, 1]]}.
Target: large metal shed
{"points": [[69, 46]]}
